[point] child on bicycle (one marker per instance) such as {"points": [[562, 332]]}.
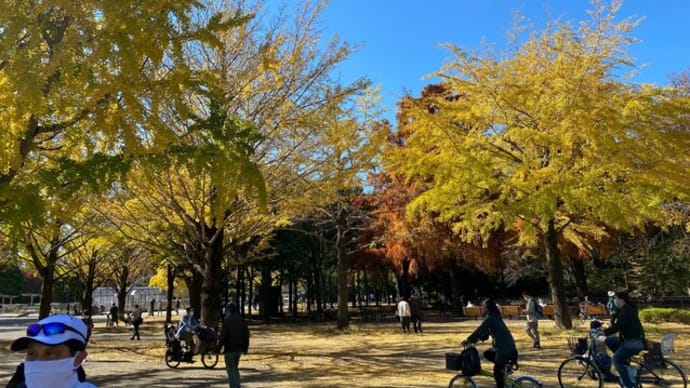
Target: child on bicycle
{"points": [[503, 350]]}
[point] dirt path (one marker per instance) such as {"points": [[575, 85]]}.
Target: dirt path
{"points": [[310, 356]]}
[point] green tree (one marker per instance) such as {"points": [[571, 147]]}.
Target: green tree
{"points": [[11, 281]]}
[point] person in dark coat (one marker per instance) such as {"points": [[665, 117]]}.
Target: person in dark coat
{"points": [[503, 350], [234, 341], [630, 339], [113, 314]]}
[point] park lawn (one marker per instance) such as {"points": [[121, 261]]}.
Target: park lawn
{"points": [[367, 355]]}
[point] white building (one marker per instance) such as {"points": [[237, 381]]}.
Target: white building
{"points": [[106, 296]]}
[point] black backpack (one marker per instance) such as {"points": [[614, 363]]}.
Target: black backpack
{"points": [[470, 363]]}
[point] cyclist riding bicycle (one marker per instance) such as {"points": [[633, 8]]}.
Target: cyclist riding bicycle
{"points": [[185, 331], [503, 350], [630, 340]]}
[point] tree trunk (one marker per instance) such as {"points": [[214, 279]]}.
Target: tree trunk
{"points": [[555, 268], [264, 291], [122, 283], [578, 267], [195, 287], [342, 267], [251, 297], [171, 292], [46, 289], [404, 284], [87, 296], [455, 300]]}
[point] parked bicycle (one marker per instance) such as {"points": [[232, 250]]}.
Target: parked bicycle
{"points": [[465, 381], [180, 351], [586, 369]]}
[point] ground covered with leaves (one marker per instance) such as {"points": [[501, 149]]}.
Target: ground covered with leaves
{"points": [[317, 355]]}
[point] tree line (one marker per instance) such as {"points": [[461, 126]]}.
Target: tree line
{"points": [[209, 143]]}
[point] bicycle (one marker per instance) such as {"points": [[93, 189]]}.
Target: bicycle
{"points": [[180, 351], [584, 369], [461, 380]]}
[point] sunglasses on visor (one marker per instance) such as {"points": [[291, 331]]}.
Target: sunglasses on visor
{"points": [[50, 329]]}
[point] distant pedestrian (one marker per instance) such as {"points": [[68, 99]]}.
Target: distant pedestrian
{"points": [[177, 306], [404, 314], [137, 320], [532, 326], [152, 307], [611, 306], [234, 339], [114, 311], [416, 313]]}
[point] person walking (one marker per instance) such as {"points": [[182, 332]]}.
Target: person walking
{"points": [[630, 339], [416, 313], [55, 350], [113, 314], [532, 325], [404, 314], [137, 320], [233, 341], [503, 350]]}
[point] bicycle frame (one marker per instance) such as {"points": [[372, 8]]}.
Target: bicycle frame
{"points": [[468, 381]]}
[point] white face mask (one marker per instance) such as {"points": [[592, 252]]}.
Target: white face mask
{"points": [[55, 373]]}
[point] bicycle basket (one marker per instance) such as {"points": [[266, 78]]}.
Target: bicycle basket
{"points": [[468, 362], [667, 343], [453, 361], [577, 345]]}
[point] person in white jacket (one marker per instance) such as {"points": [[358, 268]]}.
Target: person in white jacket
{"points": [[55, 349], [405, 314]]}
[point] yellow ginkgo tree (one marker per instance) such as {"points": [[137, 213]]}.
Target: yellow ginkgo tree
{"points": [[546, 135], [84, 87]]}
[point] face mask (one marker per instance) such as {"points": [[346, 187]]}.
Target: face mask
{"points": [[55, 373]]}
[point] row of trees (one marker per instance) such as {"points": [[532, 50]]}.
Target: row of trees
{"points": [[173, 133], [211, 140]]}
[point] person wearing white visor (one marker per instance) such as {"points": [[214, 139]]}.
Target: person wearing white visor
{"points": [[55, 349]]}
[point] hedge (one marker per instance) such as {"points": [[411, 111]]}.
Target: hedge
{"points": [[665, 315]]}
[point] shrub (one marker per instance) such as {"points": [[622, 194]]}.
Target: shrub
{"points": [[665, 315]]}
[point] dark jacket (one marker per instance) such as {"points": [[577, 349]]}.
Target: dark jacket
{"points": [[494, 326], [234, 336], [627, 323]]}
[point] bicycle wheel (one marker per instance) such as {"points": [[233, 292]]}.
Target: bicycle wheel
{"points": [[170, 360], [662, 373], [578, 372], [526, 382], [461, 381], [209, 358]]}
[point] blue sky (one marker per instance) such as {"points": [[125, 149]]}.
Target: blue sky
{"points": [[400, 38]]}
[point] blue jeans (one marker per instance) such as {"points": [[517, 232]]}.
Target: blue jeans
{"points": [[622, 352], [232, 363]]}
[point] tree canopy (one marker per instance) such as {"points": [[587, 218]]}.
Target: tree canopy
{"points": [[547, 138]]}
